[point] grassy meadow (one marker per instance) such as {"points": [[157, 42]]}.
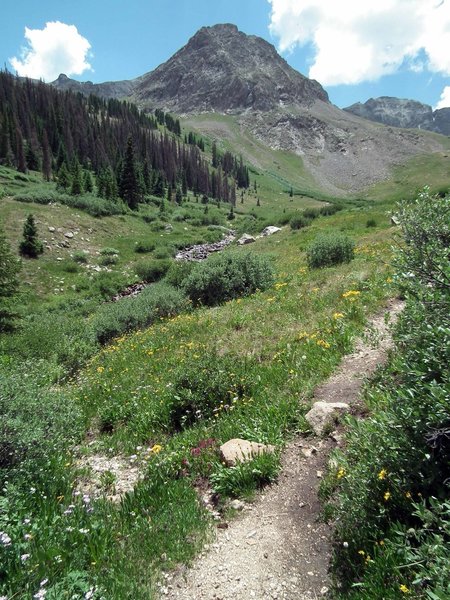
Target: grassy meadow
{"points": [[156, 383]]}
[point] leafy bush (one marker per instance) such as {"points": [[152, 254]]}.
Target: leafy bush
{"points": [[152, 270], [371, 223], [178, 272], [311, 213], [79, 256], [207, 386], [164, 251], [69, 266], [226, 276], [396, 470], [108, 259], [108, 251], [330, 209], [298, 222], [158, 300], [329, 249], [144, 247]]}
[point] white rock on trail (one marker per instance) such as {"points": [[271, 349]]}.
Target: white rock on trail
{"points": [[237, 450], [323, 415]]}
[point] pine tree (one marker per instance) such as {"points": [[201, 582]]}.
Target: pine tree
{"points": [[169, 193], [129, 185], [46, 157], [31, 157], [87, 183], [64, 180], [30, 246], [178, 196], [9, 283], [20, 153], [77, 182]]}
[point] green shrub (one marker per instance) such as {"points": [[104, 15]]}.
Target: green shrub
{"points": [[152, 270], [330, 249], [371, 223], [154, 302], [226, 276], [164, 251], [69, 266], [79, 256], [298, 222], [108, 259], [330, 209], [178, 272], [311, 213], [207, 386], [144, 247], [109, 252]]}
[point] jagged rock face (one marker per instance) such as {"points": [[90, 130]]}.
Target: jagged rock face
{"points": [[398, 112], [109, 89], [222, 69], [442, 120]]}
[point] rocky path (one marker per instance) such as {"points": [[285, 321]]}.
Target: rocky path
{"points": [[278, 548]]}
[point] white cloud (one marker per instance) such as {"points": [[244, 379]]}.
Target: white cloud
{"points": [[444, 100], [58, 48], [361, 40]]}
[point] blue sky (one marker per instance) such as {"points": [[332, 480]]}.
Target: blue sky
{"points": [[356, 49]]}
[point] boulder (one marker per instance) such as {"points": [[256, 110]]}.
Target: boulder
{"points": [[323, 415], [52, 229], [236, 450], [246, 239], [69, 235], [271, 229]]}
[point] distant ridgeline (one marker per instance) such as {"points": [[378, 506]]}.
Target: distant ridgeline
{"points": [[62, 133]]}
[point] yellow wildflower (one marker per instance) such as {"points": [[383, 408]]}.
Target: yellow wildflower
{"points": [[408, 495], [351, 294], [156, 449], [382, 474], [338, 315], [361, 552], [323, 343], [100, 369], [386, 496], [404, 589], [340, 473], [271, 299]]}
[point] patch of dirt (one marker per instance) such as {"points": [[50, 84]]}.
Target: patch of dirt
{"points": [[110, 477], [278, 547]]}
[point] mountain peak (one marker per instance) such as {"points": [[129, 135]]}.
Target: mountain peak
{"points": [[223, 69]]}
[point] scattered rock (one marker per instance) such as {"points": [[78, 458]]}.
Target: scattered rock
{"points": [[237, 504], [270, 230], [395, 220], [201, 251], [246, 239], [323, 415], [68, 234], [52, 229], [168, 227], [237, 450]]}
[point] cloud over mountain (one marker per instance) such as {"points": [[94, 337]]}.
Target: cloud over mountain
{"points": [[57, 48], [354, 41]]}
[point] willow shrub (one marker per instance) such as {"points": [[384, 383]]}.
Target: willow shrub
{"points": [[330, 249], [226, 276]]}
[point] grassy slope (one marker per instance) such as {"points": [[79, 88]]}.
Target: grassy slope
{"points": [[274, 334], [277, 171], [274, 338]]}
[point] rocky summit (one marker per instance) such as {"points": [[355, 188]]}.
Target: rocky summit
{"points": [[222, 69], [398, 112]]}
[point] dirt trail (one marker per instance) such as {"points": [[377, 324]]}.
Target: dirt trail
{"points": [[278, 547]]}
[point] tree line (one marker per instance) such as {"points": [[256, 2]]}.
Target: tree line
{"points": [[70, 137]]}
